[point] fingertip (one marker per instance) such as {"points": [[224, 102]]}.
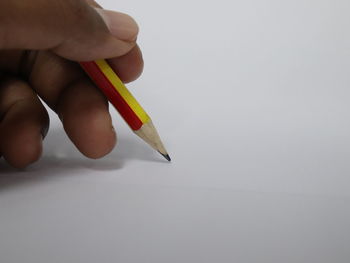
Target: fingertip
{"points": [[105, 47], [97, 140], [130, 66], [101, 138], [23, 148], [86, 120], [112, 34], [120, 25], [24, 121]]}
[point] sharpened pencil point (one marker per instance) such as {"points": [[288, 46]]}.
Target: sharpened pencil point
{"points": [[166, 156]]}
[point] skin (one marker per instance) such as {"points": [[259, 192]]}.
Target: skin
{"points": [[39, 42]]}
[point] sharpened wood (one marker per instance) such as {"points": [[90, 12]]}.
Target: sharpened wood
{"points": [[149, 134]]}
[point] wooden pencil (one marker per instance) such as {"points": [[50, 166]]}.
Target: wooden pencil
{"points": [[120, 97]]}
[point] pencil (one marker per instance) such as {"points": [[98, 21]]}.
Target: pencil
{"points": [[120, 97]]}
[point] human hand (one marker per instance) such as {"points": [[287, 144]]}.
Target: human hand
{"points": [[39, 40]]}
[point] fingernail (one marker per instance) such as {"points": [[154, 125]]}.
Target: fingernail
{"points": [[120, 25]]}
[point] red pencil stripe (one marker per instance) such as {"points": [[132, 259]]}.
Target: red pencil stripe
{"points": [[113, 96]]}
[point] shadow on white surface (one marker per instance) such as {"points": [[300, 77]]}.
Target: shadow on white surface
{"points": [[60, 158]]}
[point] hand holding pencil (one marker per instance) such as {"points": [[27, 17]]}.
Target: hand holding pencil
{"points": [[39, 40]]}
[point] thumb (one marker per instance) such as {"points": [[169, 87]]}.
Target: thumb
{"points": [[70, 28]]}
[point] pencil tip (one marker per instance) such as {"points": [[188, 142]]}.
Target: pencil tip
{"points": [[166, 156]]}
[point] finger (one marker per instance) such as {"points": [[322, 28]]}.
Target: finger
{"points": [[128, 67], [71, 28], [83, 111], [24, 123], [51, 74], [82, 108], [53, 78]]}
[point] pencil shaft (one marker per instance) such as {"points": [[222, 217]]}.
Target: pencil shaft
{"points": [[111, 89], [125, 103]]}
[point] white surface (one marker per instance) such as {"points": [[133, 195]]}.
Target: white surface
{"points": [[255, 112]]}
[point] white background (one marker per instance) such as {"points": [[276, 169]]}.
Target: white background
{"points": [[251, 98]]}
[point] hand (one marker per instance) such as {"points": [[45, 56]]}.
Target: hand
{"points": [[39, 40]]}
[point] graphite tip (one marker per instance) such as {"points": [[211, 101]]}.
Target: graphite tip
{"points": [[166, 156]]}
